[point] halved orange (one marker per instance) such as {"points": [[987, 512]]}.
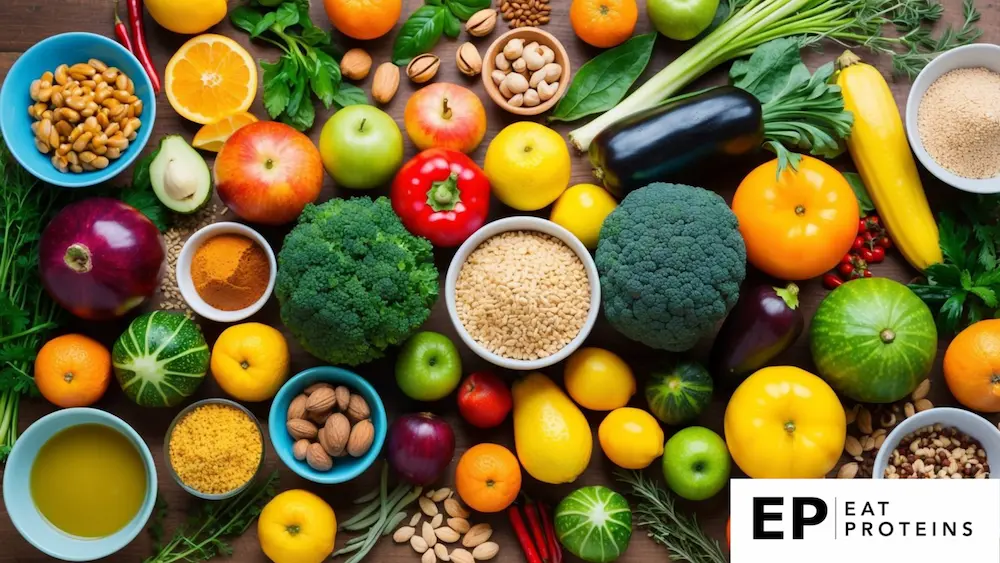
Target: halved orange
{"points": [[209, 78], [211, 137]]}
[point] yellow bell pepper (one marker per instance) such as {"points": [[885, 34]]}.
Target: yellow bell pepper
{"points": [[882, 154], [785, 423]]}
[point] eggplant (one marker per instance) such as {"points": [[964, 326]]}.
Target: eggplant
{"points": [[652, 145], [765, 322]]}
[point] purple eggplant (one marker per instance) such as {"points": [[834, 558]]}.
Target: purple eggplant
{"points": [[765, 322]]}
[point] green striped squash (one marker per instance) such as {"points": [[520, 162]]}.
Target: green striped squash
{"points": [[678, 395], [161, 359], [594, 524], [873, 340]]}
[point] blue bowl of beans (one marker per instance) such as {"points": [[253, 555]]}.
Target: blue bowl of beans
{"points": [[91, 101]]}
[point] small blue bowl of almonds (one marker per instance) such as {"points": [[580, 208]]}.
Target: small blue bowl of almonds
{"points": [[76, 109]]}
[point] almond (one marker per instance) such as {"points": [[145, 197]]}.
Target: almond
{"points": [[301, 429], [415, 518], [427, 506], [922, 390], [297, 408], [386, 83], [923, 405], [299, 449], [312, 388], [343, 397], [437, 521], [403, 534], [362, 436], [447, 535], [428, 557], [442, 552], [482, 23], [418, 544], [454, 509], [848, 471], [427, 532], [321, 400], [460, 525], [485, 551], [318, 418], [461, 556], [338, 433], [317, 458], [852, 446], [440, 494], [356, 64], [477, 535], [423, 68], [357, 409]]}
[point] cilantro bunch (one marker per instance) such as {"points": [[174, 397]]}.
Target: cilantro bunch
{"points": [[307, 67]]}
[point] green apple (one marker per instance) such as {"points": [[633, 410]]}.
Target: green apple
{"points": [[362, 147], [428, 367], [682, 20], [696, 463]]}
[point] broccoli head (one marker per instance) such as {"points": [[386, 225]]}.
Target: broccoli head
{"points": [[671, 260], [353, 281]]}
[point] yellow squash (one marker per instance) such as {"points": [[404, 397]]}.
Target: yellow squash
{"points": [[882, 154], [551, 435]]}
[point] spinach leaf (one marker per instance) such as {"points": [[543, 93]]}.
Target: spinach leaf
{"points": [[604, 80], [419, 33], [774, 69], [464, 9], [349, 95]]}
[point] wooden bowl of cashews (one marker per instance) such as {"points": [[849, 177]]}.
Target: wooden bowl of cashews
{"points": [[526, 71]]}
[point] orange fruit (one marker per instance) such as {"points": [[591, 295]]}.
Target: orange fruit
{"points": [[604, 23], [209, 78], [488, 478], [363, 19], [972, 366], [73, 370], [211, 137]]}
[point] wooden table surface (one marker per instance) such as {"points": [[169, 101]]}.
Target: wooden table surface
{"points": [[25, 22]]}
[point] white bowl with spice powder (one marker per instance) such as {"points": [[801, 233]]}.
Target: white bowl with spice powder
{"points": [[226, 272], [523, 293], [953, 118]]}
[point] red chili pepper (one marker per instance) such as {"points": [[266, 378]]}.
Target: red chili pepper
{"points": [[141, 50], [534, 520], [517, 522], [121, 31], [550, 534], [442, 196]]}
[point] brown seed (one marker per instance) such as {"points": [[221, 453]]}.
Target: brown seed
{"points": [[418, 544], [356, 64], [403, 534], [852, 446], [923, 405], [477, 535], [427, 532], [437, 520], [309, 390], [297, 408], [301, 429], [343, 395], [447, 535], [460, 525], [362, 436], [423, 68], [357, 409], [485, 551], [441, 551], [317, 458], [848, 471], [454, 509], [428, 557], [864, 421], [440, 494], [428, 507], [386, 83], [461, 556], [909, 410], [922, 390]]}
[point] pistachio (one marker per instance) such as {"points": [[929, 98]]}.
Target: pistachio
{"points": [[482, 23], [469, 62], [423, 68], [386, 83]]}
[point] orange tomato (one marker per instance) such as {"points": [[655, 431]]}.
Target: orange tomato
{"points": [[972, 366], [488, 478], [73, 370], [363, 19], [800, 225], [604, 23]]}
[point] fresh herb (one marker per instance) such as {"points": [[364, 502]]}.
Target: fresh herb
{"points": [[380, 517], [203, 536], [604, 80], [307, 67], [423, 29], [155, 527], [751, 23], [26, 312], [657, 512], [865, 205], [965, 288]]}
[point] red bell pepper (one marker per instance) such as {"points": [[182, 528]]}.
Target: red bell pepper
{"points": [[441, 195]]}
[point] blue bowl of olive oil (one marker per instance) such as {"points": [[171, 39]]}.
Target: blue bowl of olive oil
{"points": [[80, 484]]}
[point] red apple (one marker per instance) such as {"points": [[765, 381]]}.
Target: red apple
{"points": [[445, 116], [267, 172], [484, 400]]}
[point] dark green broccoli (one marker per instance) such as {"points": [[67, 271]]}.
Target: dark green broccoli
{"points": [[352, 281], [671, 260]]}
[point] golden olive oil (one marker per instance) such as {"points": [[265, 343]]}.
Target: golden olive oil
{"points": [[89, 481]]}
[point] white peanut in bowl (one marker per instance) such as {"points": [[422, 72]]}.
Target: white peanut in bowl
{"points": [[523, 293]]}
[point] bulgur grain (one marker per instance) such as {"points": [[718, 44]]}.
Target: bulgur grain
{"points": [[523, 295], [215, 449]]}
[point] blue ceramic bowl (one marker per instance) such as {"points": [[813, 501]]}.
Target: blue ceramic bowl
{"points": [[344, 468], [32, 526], [46, 55]]}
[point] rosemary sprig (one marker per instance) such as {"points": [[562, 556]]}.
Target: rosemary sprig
{"points": [[656, 511]]}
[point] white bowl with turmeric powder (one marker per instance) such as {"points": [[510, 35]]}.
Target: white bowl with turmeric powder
{"points": [[226, 272]]}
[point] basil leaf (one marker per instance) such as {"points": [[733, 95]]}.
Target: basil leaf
{"points": [[452, 25], [350, 95], [604, 80], [419, 33], [464, 9], [865, 204], [325, 77], [245, 18], [264, 24], [775, 68], [287, 15]]}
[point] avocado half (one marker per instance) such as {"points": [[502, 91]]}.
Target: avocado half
{"points": [[180, 176]]}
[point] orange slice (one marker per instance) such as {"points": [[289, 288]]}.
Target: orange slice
{"points": [[211, 137], [209, 78]]}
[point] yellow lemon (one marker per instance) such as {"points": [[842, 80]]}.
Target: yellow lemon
{"points": [[187, 16], [631, 438], [552, 437], [581, 210], [598, 379], [528, 165], [297, 527], [250, 361]]}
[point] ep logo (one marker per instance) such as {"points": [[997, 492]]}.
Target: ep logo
{"points": [[802, 512]]}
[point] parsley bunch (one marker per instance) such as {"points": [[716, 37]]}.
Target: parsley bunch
{"points": [[307, 67]]}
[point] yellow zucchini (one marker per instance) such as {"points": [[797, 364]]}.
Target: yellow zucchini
{"points": [[882, 155]]}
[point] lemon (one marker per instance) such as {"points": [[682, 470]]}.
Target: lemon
{"points": [[528, 165], [631, 438], [187, 16], [598, 379], [581, 210]]}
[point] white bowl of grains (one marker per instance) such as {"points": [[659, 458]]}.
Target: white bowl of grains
{"points": [[940, 443], [523, 293], [953, 118]]}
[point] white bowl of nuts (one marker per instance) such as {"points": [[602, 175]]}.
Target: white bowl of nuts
{"points": [[523, 293], [526, 71], [939, 443]]}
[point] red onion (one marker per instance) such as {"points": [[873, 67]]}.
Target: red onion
{"points": [[100, 258], [420, 447]]}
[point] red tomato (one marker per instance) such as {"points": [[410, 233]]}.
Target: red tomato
{"points": [[484, 400]]}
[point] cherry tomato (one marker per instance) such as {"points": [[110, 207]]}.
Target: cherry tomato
{"points": [[847, 259], [873, 222], [831, 281], [870, 237], [878, 255], [846, 270], [862, 226], [867, 255], [859, 243], [884, 242], [868, 273]]}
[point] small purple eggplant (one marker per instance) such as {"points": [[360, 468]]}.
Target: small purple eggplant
{"points": [[765, 322]]}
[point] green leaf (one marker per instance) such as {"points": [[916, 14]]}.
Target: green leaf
{"points": [[140, 174], [350, 95], [865, 204], [325, 77], [245, 18], [965, 280], [954, 240], [452, 25], [316, 37], [950, 315], [988, 296], [987, 278], [276, 91], [421, 31], [464, 9], [149, 205], [775, 68], [287, 15], [303, 117], [603, 81], [264, 24], [947, 275]]}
